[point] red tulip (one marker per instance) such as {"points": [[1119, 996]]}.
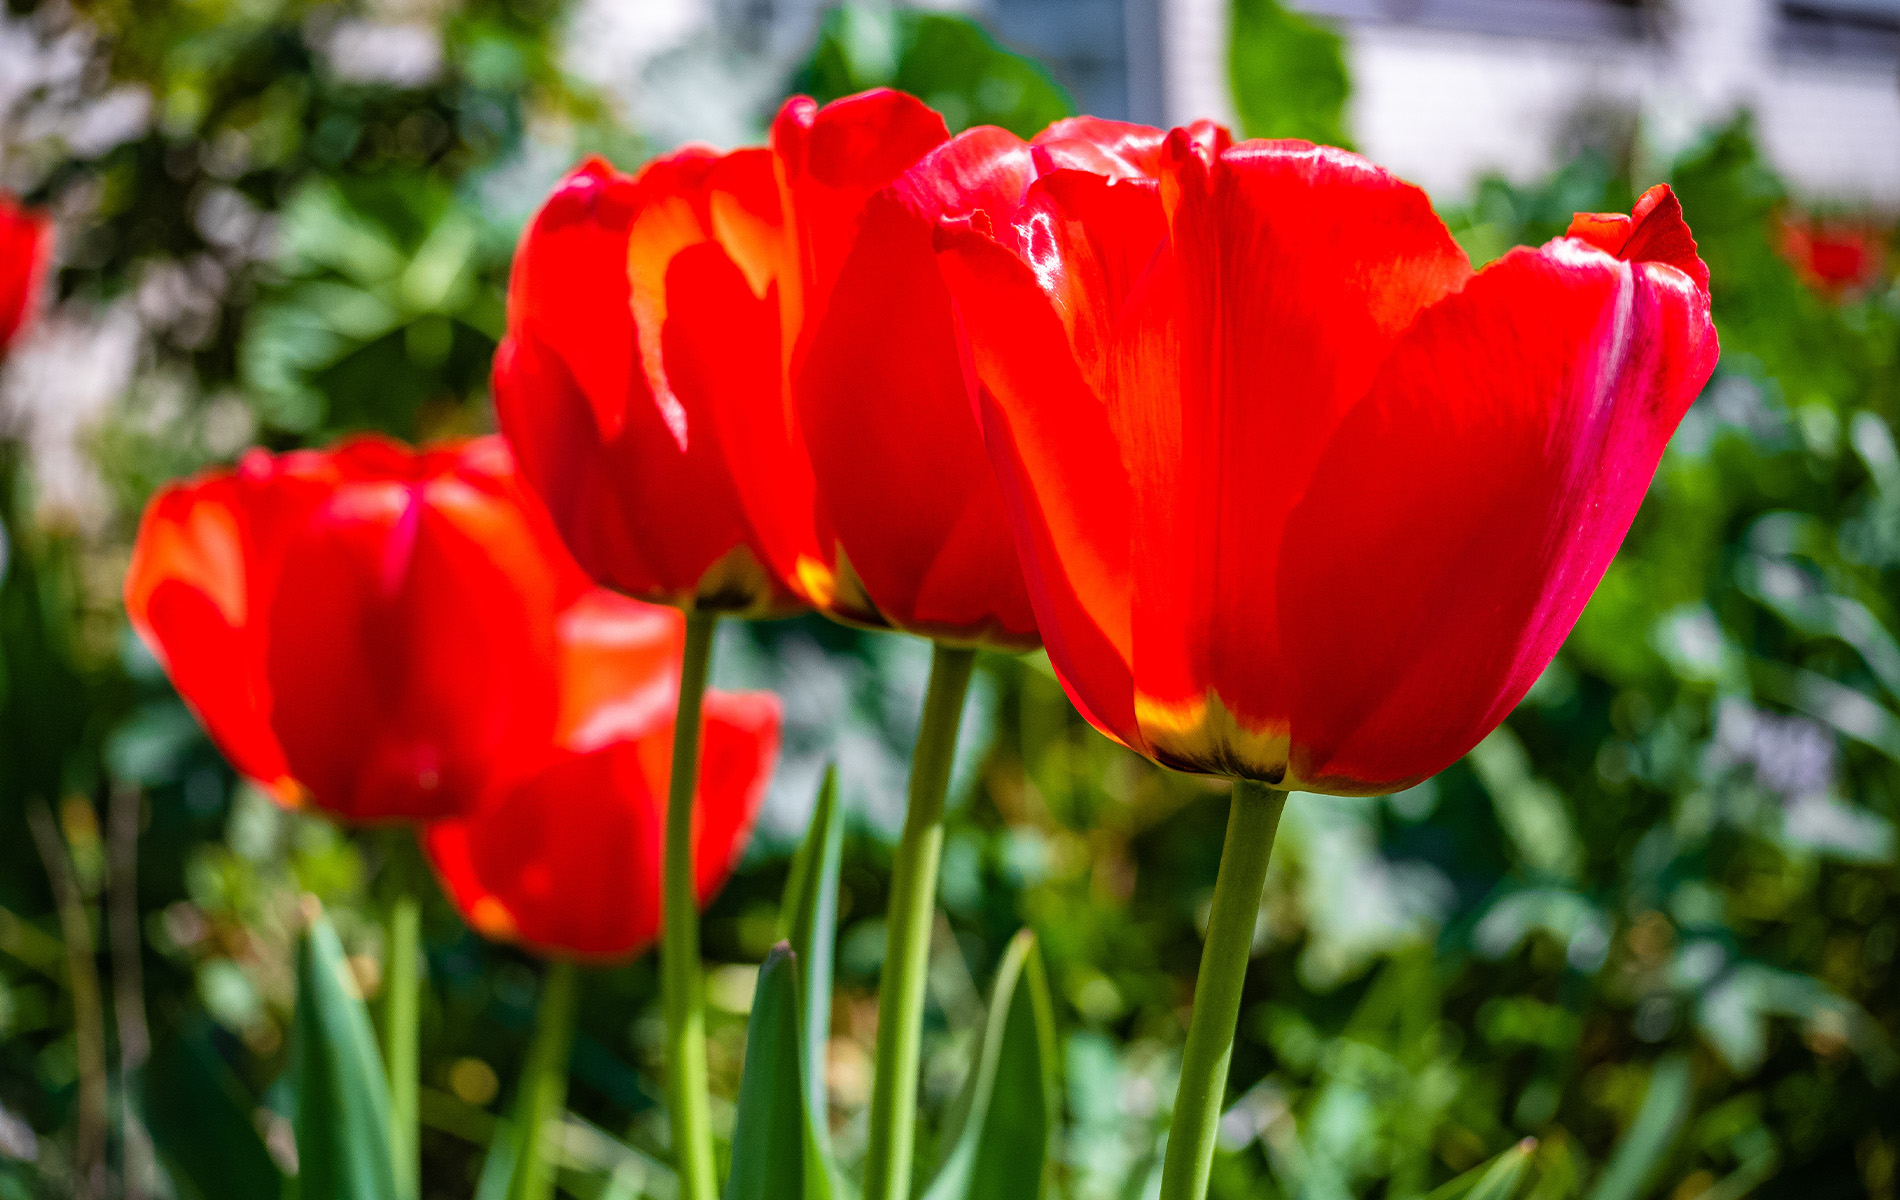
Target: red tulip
{"points": [[26, 250], [645, 505], [567, 862], [815, 387], [1834, 255], [388, 633], [1300, 498], [879, 384]]}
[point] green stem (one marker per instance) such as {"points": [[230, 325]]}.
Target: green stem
{"points": [[900, 997], [682, 985], [401, 1005], [543, 1089], [1252, 820]]}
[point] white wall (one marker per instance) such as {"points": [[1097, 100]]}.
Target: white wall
{"points": [[1442, 107]]}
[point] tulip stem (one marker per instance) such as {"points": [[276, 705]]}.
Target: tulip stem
{"points": [[1252, 820], [542, 1098], [402, 1003], [900, 997], [681, 980]]}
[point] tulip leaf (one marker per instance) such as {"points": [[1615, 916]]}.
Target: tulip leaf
{"points": [[774, 1155], [1639, 1154], [809, 917], [342, 1109], [498, 1165], [1288, 73], [1506, 1175], [1499, 1178], [999, 1133]]}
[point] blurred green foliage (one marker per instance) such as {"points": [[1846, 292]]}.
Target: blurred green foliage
{"points": [[1288, 72], [1651, 924], [950, 62]]}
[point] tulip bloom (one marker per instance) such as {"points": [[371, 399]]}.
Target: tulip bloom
{"points": [[1834, 256], [1301, 498], [385, 633], [878, 381], [26, 250], [645, 503], [568, 861], [759, 346]]}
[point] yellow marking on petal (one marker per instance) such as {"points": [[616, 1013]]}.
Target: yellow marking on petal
{"points": [[850, 602], [1204, 735], [492, 921], [288, 792], [816, 581]]}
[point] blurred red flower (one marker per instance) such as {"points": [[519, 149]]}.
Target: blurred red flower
{"points": [[567, 862], [1300, 497], [390, 634], [1834, 255], [26, 250]]}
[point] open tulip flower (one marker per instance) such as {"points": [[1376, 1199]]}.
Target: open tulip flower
{"points": [[26, 247], [386, 634], [1302, 498]]}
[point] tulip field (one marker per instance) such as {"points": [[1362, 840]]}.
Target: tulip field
{"points": [[954, 649]]}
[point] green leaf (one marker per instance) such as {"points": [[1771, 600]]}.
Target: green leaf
{"points": [[772, 1137], [498, 1165], [1505, 1175], [999, 1134], [809, 920], [201, 1123], [948, 61], [342, 1113], [1497, 1179], [1288, 74], [1640, 1153]]}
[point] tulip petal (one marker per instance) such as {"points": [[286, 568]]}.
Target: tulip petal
{"points": [[885, 413], [1467, 508], [26, 253], [604, 449], [1300, 268], [188, 596], [204, 567], [721, 344], [619, 668], [677, 196], [1053, 446], [1653, 232], [411, 646], [1115, 149], [604, 496], [569, 291], [569, 861], [831, 160]]}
